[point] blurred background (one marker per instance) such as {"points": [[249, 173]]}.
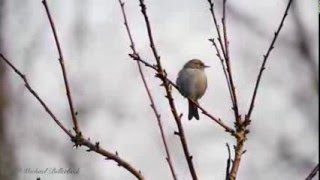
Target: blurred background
{"points": [[112, 103]]}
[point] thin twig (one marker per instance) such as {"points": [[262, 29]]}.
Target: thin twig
{"points": [[265, 58], [153, 106], [110, 156], [216, 26], [225, 51], [162, 75], [313, 173], [241, 131], [78, 139], [136, 57], [64, 73], [27, 85], [222, 61], [217, 120], [228, 64], [224, 28], [228, 162]]}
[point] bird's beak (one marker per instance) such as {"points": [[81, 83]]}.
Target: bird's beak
{"points": [[205, 66]]}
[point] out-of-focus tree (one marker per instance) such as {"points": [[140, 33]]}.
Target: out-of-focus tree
{"points": [[7, 160]]}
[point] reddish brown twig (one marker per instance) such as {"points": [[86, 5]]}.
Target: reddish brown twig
{"points": [[217, 120], [223, 67], [228, 64], [240, 132], [78, 139], [265, 58], [239, 151], [313, 173], [153, 106], [163, 76], [242, 129], [136, 57], [225, 51], [64, 73], [229, 161], [110, 156], [27, 85], [216, 26]]}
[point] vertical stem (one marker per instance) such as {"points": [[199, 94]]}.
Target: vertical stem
{"points": [[64, 73], [163, 76], [153, 106], [228, 64], [238, 154]]}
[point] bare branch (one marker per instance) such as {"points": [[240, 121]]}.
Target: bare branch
{"points": [[78, 139], [225, 51], [227, 58], [110, 156], [217, 120], [153, 106], [241, 131], [216, 26], [228, 162], [265, 58], [64, 73], [241, 138], [222, 61], [163, 76], [27, 85], [313, 173], [136, 57]]}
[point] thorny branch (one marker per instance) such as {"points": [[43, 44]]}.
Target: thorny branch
{"points": [[153, 106]]}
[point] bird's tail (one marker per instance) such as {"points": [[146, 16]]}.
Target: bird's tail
{"points": [[193, 111]]}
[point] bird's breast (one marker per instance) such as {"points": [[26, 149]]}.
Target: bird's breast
{"points": [[192, 82]]}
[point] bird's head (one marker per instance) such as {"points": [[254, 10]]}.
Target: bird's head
{"points": [[195, 64]]}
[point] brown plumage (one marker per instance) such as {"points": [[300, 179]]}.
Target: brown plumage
{"points": [[192, 83]]}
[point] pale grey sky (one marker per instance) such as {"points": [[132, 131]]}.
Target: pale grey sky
{"points": [[112, 103]]}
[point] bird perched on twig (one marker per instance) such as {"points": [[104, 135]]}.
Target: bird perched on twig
{"points": [[192, 83]]}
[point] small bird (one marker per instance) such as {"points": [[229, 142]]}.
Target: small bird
{"points": [[192, 83]]}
